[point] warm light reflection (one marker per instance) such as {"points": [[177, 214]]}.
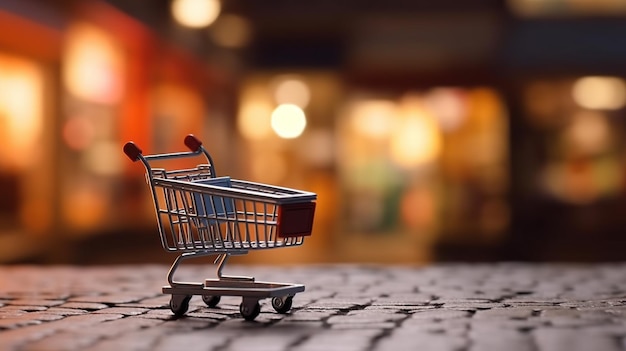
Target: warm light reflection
{"points": [[292, 91], [317, 147], [269, 167], [78, 133], [415, 140], [602, 93], [588, 133], [93, 65], [196, 13], [231, 31], [373, 118], [254, 120], [449, 107], [21, 108], [288, 121], [103, 158]]}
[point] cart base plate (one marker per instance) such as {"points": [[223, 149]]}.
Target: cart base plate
{"points": [[215, 287]]}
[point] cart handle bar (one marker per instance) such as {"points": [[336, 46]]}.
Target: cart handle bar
{"points": [[134, 152]]}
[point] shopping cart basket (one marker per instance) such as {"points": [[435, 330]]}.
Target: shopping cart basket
{"points": [[200, 214]]}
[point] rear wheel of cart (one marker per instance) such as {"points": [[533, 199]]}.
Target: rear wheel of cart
{"points": [[211, 300], [249, 309], [282, 304], [179, 304]]}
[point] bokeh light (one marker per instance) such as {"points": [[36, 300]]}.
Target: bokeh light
{"points": [[254, 120], [415, 140], [292, 91], [231, 31], [374, 118], [602, 93], [78, 133], [103, 158], [589, 133], [94, 65], [288, 121], [196, 13], [21, 108], [449, 107]]}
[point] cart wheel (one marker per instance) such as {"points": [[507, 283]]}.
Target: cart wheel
{"points": [[282, 304], [179, 304], [249, 310], [211, 300]]}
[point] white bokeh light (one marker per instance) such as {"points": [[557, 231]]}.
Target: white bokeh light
{"points": [[602, 93], [288, 121], [196, 13]]}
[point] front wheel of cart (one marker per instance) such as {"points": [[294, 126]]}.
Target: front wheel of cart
{"points": [[211, 300], [249, 309], [282, 304], [179, 304]]}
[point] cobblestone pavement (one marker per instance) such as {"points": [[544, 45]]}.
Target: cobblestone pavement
{"points": [[440, 307]]}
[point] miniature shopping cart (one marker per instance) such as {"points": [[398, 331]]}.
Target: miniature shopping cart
{"points": [[200, 214]]}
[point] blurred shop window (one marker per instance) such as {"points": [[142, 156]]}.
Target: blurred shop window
{"points": [[583, 155], [21, 123], [93, 66], [570, 186], [25, 157], [286, 136], [395, 174], [428, 166]]}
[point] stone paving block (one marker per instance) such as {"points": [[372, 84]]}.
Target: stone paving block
{"points": [[23, 308], [16, 337], [36, 302], [553, 339], [506, 313], [63, 341], [42, 316], [338, 304], [499, 324], [142, 340], [84, 305], [403, 300], [16, 322], [339, 340], [194, 340], [64, 311], [125, 311], [11, 311], [119, 326], [265, 341], [310, 316], [109, 298], [421, 341], [439, 314], [381, 326], [510, 340]]}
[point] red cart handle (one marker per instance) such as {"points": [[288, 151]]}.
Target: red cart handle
{"points": [[132, 151], [192, 143]]}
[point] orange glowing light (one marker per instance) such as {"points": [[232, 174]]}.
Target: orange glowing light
{"points": [[416, 139], [21, 109], [93, 65]]}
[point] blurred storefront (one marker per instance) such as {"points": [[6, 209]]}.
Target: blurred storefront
{"points": [[77, 80], [462, 130]]}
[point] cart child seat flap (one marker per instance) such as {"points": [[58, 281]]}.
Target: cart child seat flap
{"points": [[214, 206]]}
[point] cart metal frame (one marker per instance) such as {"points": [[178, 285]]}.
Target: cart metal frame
{"points": [[199, 214]]}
